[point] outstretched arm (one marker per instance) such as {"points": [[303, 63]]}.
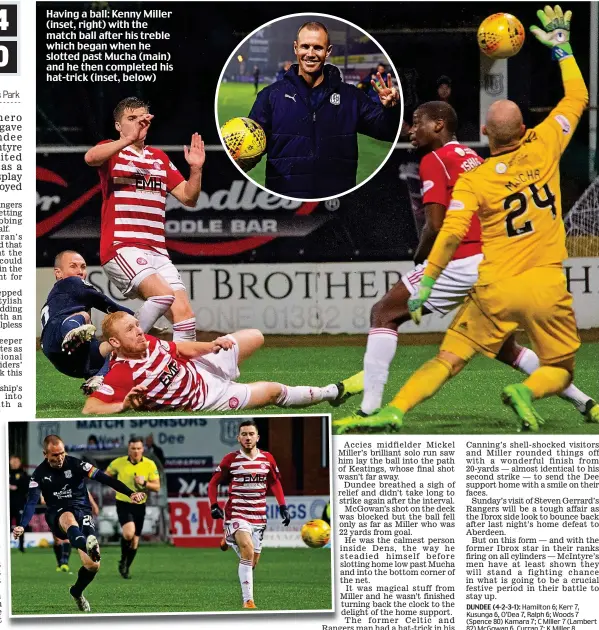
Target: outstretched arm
{"points": [[33, 498], [555, 34], [193, 349], [119, 486], [187, 192]]}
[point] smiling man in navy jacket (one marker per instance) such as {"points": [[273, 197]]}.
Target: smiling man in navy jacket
{"points": [[312, 120]]}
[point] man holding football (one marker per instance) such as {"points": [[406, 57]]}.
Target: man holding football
{"points": [[312, 120]]}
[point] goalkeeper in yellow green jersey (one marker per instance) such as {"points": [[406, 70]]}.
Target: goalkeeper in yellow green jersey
{"points": [[516, 193]]}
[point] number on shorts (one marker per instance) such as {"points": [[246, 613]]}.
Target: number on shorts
{"points": [[520, 201], [88, 521]]}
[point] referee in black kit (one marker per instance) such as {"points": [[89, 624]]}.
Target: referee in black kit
{"points": [[18, 483]]}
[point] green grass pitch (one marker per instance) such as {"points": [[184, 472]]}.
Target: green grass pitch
{"points": [[173, 579], [469, 404], [236, 99]]}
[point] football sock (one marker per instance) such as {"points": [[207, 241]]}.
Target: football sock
{"points": [[76, 538], [528, 362], [125, 547], [246, 579], [84, 577], [380, 350], [153, 309], [425, 382], [65, 553], [547, 380], [103, 371], [303, 396], [58, 553], [70, 323], [131, 556], [185, 330]]}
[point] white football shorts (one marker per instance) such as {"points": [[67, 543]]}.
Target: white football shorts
{"points": [[132, 265], [452, 286], [219, 372], [240, 525]]}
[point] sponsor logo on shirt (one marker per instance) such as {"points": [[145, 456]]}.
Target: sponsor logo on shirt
{"points": [[456, 205], [106, 389], [427, 185], [86, 466], [233, 402], [68, 474], [500, 168], [564, 123], [142, 261], [33, 484], [335, 99]]}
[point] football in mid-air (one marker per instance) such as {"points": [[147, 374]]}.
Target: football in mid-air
{"points": [[316, 533], [501, 35], [243, 138]]}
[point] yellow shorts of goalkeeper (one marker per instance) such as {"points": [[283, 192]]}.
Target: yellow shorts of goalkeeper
{"points": [[536, 301]]}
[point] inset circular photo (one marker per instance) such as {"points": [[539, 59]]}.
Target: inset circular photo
{"points": [[309, 106]]}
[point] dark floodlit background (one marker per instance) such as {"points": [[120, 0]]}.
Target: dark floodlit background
{"points": [[424, 40]]}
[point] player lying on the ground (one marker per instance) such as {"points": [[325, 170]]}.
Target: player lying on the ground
{"points": [[60, 479], [135, 180], [516, 193], [152, 374], [68, 339], [138, 473], [62, 546], [433, 130], [249, 473]]}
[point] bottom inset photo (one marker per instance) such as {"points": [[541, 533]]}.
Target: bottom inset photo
{"points": [[170, 515]]}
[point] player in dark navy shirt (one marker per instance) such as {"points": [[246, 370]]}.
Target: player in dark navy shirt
{"points": [[61, 480], [68, 338]]}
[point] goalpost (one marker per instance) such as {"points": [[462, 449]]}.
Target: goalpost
{"points": [[582, 224]]}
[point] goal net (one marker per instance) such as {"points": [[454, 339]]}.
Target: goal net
{"points": [[582, 224]]}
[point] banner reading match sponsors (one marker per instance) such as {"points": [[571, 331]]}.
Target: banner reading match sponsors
{"points": [[309, 298], [193, 526], [184, 440]]}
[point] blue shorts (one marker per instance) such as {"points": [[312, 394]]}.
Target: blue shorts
{"points": [[82, 516], [83, 363]]}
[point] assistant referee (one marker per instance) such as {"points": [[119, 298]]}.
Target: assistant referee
{"points": [[141, 474]]}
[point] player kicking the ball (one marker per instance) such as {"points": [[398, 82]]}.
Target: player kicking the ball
{"points": [[433, 130], [516, 195], [151, 374], [60, 479], [135, 180], [250, 473]]}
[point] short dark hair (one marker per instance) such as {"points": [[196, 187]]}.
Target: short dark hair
{"points": [[51, 439], [135, 438], [440, 110], [247, 423], [58, 258], [314, 26], [444, 80], [131, 102]]}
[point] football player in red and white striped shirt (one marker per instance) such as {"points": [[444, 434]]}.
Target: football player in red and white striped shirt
{"points": [[249, 473], [135, 181], [151, 374]]}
